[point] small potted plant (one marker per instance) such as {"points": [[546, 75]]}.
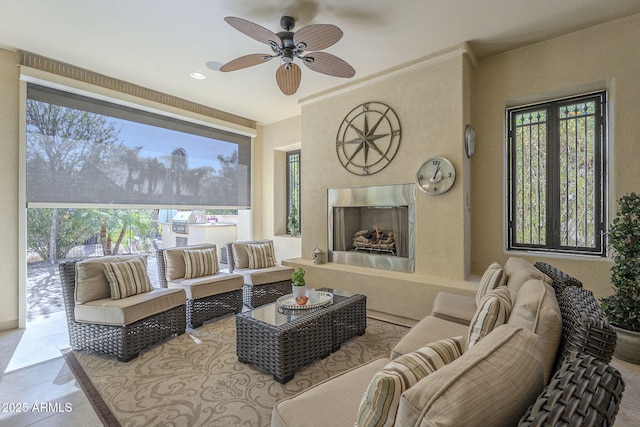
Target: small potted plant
{"points": [[299, 287], [623, 307]]}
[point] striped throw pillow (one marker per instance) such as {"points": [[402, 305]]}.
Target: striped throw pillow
{"points": [[493, 311], [379, 405], [261, 255], [493, 277], [127, 278], [200, 262]]}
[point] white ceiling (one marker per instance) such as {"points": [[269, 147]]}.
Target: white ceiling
{"points": [[157, 43]]}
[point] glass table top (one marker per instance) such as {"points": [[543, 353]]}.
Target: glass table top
{"points": [[276, 315]]}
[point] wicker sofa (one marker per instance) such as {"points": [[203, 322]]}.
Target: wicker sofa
{"points": [[118, 327], [582, 390], [262, 285], [210, 293]]}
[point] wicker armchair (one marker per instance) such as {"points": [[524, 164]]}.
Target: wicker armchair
{"points": [[125, 341], [208, 297], [261, 286]]}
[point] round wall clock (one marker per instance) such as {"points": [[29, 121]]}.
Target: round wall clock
{"points": [[436, 176], [368, 138]]}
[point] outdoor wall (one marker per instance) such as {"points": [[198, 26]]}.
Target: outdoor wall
{"points": [[9, 248], [602, 57]]}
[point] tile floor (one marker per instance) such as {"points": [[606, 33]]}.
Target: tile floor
{"points": [[38, 389]]}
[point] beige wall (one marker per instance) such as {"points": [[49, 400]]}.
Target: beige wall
{"points": [[602, 57], [9, 248], [428, 98], [275, 140]]}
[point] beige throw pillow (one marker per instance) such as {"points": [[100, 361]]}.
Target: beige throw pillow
{"points": [[380, 402], [261, 255], [493, 277], [518, 271], [200, 262], [491, 384], [127, 278], [493, 311], [536, 309]]}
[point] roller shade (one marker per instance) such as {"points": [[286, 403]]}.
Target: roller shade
{"points": [[82, 150]]}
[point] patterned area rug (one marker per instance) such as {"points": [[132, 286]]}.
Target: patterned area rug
{"points": [[196, 380]]}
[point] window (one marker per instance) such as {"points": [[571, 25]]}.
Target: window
{"points": [[82, 150], [293, 192], [557, 163]]}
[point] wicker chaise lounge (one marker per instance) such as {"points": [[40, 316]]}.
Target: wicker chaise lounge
{"points": [[210, 293], [118, 327]]}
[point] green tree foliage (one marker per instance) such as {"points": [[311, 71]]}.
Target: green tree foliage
{"points": [[77, 226], [623, 307], [74, 227]]}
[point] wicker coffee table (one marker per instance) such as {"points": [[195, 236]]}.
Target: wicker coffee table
{"points": [[282, 341]]}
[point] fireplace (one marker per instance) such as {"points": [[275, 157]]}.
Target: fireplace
{"points": [[373, 226]]}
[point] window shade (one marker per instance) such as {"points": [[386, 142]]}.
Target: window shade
{"points": [[87, 151]]}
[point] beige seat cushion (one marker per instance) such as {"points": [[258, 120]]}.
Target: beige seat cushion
{"points": [[131, 309], [380, 402], [491, 384], [454, 307], [519, 271], [536, 309], [336, 400], [91, 282], [174, 260], [205, 286], [240, 254], [261, 276], [428, 330]]}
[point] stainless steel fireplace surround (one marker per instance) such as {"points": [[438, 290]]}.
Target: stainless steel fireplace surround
{"points": [[385, 211]]}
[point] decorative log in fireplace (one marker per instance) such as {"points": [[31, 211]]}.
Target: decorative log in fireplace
{"points": [[375, 240]]}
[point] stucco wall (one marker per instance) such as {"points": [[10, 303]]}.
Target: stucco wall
{"points": [[428, 98], [275, 140], [9, 89], [602, 57]]}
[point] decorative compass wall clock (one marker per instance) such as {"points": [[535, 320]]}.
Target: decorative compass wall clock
{"points": [[368, 138]]}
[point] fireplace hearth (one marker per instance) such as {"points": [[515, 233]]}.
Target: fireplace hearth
{"points": [[373, 226]]}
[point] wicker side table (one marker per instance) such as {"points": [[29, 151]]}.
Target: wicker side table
{"points": [[284, 347]]}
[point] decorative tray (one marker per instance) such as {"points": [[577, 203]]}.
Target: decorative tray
{"points": [[319, 298]]}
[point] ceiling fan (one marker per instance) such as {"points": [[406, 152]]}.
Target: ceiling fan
{"points": [[288, 45]]}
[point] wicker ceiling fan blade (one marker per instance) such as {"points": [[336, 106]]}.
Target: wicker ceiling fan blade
{"points": [[288, 77], [317, 36], [252, 30], [245, 61], [329, 64]]}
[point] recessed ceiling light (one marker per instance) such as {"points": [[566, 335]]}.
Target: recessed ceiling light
{"points": [[197, 75], [214, 65]]}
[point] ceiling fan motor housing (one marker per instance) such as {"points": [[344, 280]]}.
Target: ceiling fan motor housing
{"points": [[287, 23]]}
